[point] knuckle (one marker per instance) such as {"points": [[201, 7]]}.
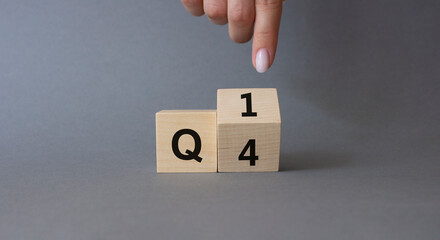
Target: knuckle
{"points": [[263, 35], [215, 12], [241, 16], [190, 3], [269, 3], [240, 39]]}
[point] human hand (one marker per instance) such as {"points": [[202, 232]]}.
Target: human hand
{"points": [[260, 18]]}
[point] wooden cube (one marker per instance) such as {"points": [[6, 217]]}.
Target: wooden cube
{"points": [[186, 141], [248, 130]]}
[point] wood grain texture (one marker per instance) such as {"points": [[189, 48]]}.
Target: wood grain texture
{"points": [[168, 122], [234, 131], [230, 105]]}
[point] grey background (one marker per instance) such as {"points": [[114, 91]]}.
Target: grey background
{"points": [[80, 81]]}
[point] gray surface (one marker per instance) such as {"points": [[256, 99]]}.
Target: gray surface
{"points": [[80, 82]]}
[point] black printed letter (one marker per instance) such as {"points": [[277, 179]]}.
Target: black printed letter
{"points": [[190, 154]]}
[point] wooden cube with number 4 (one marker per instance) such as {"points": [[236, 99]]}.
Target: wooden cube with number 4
{"points": [[248, 130]]}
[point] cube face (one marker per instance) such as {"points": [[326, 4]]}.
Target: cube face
{"points": [[248, 130], [237, 140], [186, 141], [233, 106]]}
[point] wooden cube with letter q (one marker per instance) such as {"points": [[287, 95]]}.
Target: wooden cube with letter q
{"points": [[186, 141], [248, 130]]}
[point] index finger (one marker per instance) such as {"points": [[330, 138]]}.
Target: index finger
{"points": [[267, 24]]}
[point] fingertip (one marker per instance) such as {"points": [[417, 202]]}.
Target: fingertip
{"points": [[240, 39], [194, 7], [216, 11], [197, 14]]}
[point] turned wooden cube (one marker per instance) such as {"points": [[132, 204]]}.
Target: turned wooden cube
{"points": [[248, 130], [186, 141]]}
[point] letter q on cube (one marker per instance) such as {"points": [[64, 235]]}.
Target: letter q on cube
{"points": [[186, 141]]}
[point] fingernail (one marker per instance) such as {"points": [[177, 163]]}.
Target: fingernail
{"points": [[262, 60]]}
